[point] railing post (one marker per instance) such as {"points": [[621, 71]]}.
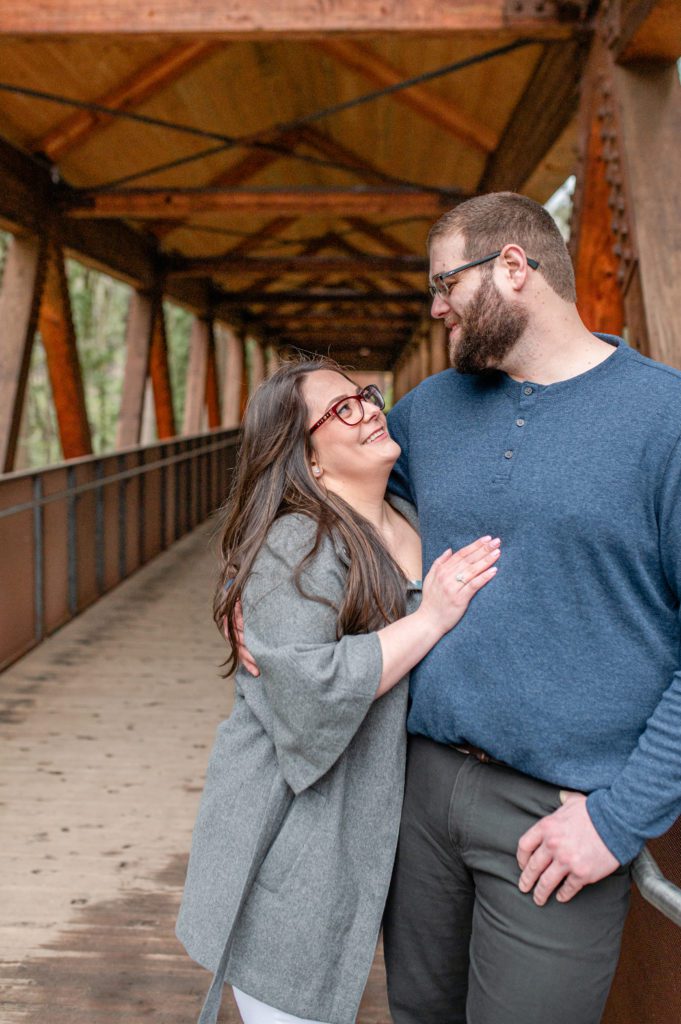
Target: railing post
{"points": [[163, 498], [38, 559], [99, 528], [122, 521], [72, 540]]}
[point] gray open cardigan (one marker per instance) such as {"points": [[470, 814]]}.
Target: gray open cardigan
{"points": [[294, 843]]}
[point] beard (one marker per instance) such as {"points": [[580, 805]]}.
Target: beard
{"points": [[489, 328]]}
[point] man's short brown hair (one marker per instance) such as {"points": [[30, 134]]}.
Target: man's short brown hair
{"points": [[487, 223]]}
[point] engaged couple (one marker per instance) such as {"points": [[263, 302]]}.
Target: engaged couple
{"points": [[456, 637]]}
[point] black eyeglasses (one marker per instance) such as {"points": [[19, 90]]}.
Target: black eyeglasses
{"points": [[350, 410], [438, 286]]}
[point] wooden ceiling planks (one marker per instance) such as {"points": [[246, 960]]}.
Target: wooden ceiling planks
{"points": [[148, 80], [370, 240], [426, 102]]}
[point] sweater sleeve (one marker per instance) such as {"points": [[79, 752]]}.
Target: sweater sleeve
{"points": [[318, 688], [645, 798]]}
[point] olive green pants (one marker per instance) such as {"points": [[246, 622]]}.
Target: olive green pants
{"points": [[463, 945]]}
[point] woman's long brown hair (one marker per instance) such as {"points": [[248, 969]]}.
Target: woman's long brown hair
{"points": [[273, 478]]}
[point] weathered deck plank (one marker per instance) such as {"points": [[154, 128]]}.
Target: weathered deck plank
{"points": [[104, 736]]}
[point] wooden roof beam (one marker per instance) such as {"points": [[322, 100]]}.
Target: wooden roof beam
{"points": [[261, 19], [325, 145], [248, 298], [647, 30], [181, 203], [237, 263], [354, 323], [30, 202], [247, 167], [380, 235], [140, 86], [546, 107], [424, 101]]}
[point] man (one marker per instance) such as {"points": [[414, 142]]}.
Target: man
{"points": [[545, 732]]}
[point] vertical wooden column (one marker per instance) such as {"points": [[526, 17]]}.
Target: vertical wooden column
{"points": [[599, 295], [160, 375], [399, 383], [202, 380], [137, 344], [424, 369], [19, 307], [649, 101], [146, 355], [257, 355], [197, 376], [212, 389], [439, 356], [272, 360], [59, 341], [233, 377], [627, 253]]}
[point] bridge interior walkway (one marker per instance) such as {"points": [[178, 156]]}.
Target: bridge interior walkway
{"points": [[105, 733]]}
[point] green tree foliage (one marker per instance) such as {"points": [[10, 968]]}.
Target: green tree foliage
{"points": [[99, 306]]}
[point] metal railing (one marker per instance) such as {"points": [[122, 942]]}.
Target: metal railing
{"points": [[657, 890], [71, 532]]}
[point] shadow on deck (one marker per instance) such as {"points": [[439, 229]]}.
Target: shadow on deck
{"points": [[105, 731]]}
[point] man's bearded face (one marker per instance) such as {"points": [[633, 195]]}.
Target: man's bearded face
{"points": [[490, 326]]}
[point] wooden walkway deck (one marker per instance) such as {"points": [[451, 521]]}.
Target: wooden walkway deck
{"points": [[105, 731]]}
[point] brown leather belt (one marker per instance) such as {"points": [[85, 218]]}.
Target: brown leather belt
{"points": [[477, 752]]}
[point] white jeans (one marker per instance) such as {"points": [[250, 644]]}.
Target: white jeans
{"points": [[254, 1012]]}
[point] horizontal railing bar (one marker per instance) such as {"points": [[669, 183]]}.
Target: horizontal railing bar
{"points": [[133, 449], [655, 889], [101, 483]]}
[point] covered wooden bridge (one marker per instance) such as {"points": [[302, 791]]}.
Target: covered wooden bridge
{"points": [[273, 169]]}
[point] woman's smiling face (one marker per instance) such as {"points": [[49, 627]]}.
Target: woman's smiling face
{"points": [[345, 453]]}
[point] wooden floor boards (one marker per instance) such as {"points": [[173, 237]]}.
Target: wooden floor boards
{"points": [[104, 736]]}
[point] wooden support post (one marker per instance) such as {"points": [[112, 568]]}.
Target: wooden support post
{"points": [[233, 376], [212, 390], [424, 355], [59, 341], [137, 344], [399, 379], [19, 306], [257, 358], [439, 355], [160, 376], [202, 385], [196, 377], [272, 360], [415, 361], [599, 297], [649, 99], [635, 115]]}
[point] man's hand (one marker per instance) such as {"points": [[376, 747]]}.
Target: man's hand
{"points": [[245, 657], [563, 847]]}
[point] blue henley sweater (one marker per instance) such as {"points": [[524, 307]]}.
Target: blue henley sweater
{"points": [[566, 665]]}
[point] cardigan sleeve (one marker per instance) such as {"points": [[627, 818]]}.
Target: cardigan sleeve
{"points": [[318, 688]]}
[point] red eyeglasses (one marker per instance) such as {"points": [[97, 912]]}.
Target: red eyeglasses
{"points": [[350, 410]]}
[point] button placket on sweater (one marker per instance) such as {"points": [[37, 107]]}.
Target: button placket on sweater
{"points": [[522, 413]]}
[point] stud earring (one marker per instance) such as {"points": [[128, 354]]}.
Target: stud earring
{"points": [[316, 471]]}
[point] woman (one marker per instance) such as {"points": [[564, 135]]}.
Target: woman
{"points": [[295, 839]]}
